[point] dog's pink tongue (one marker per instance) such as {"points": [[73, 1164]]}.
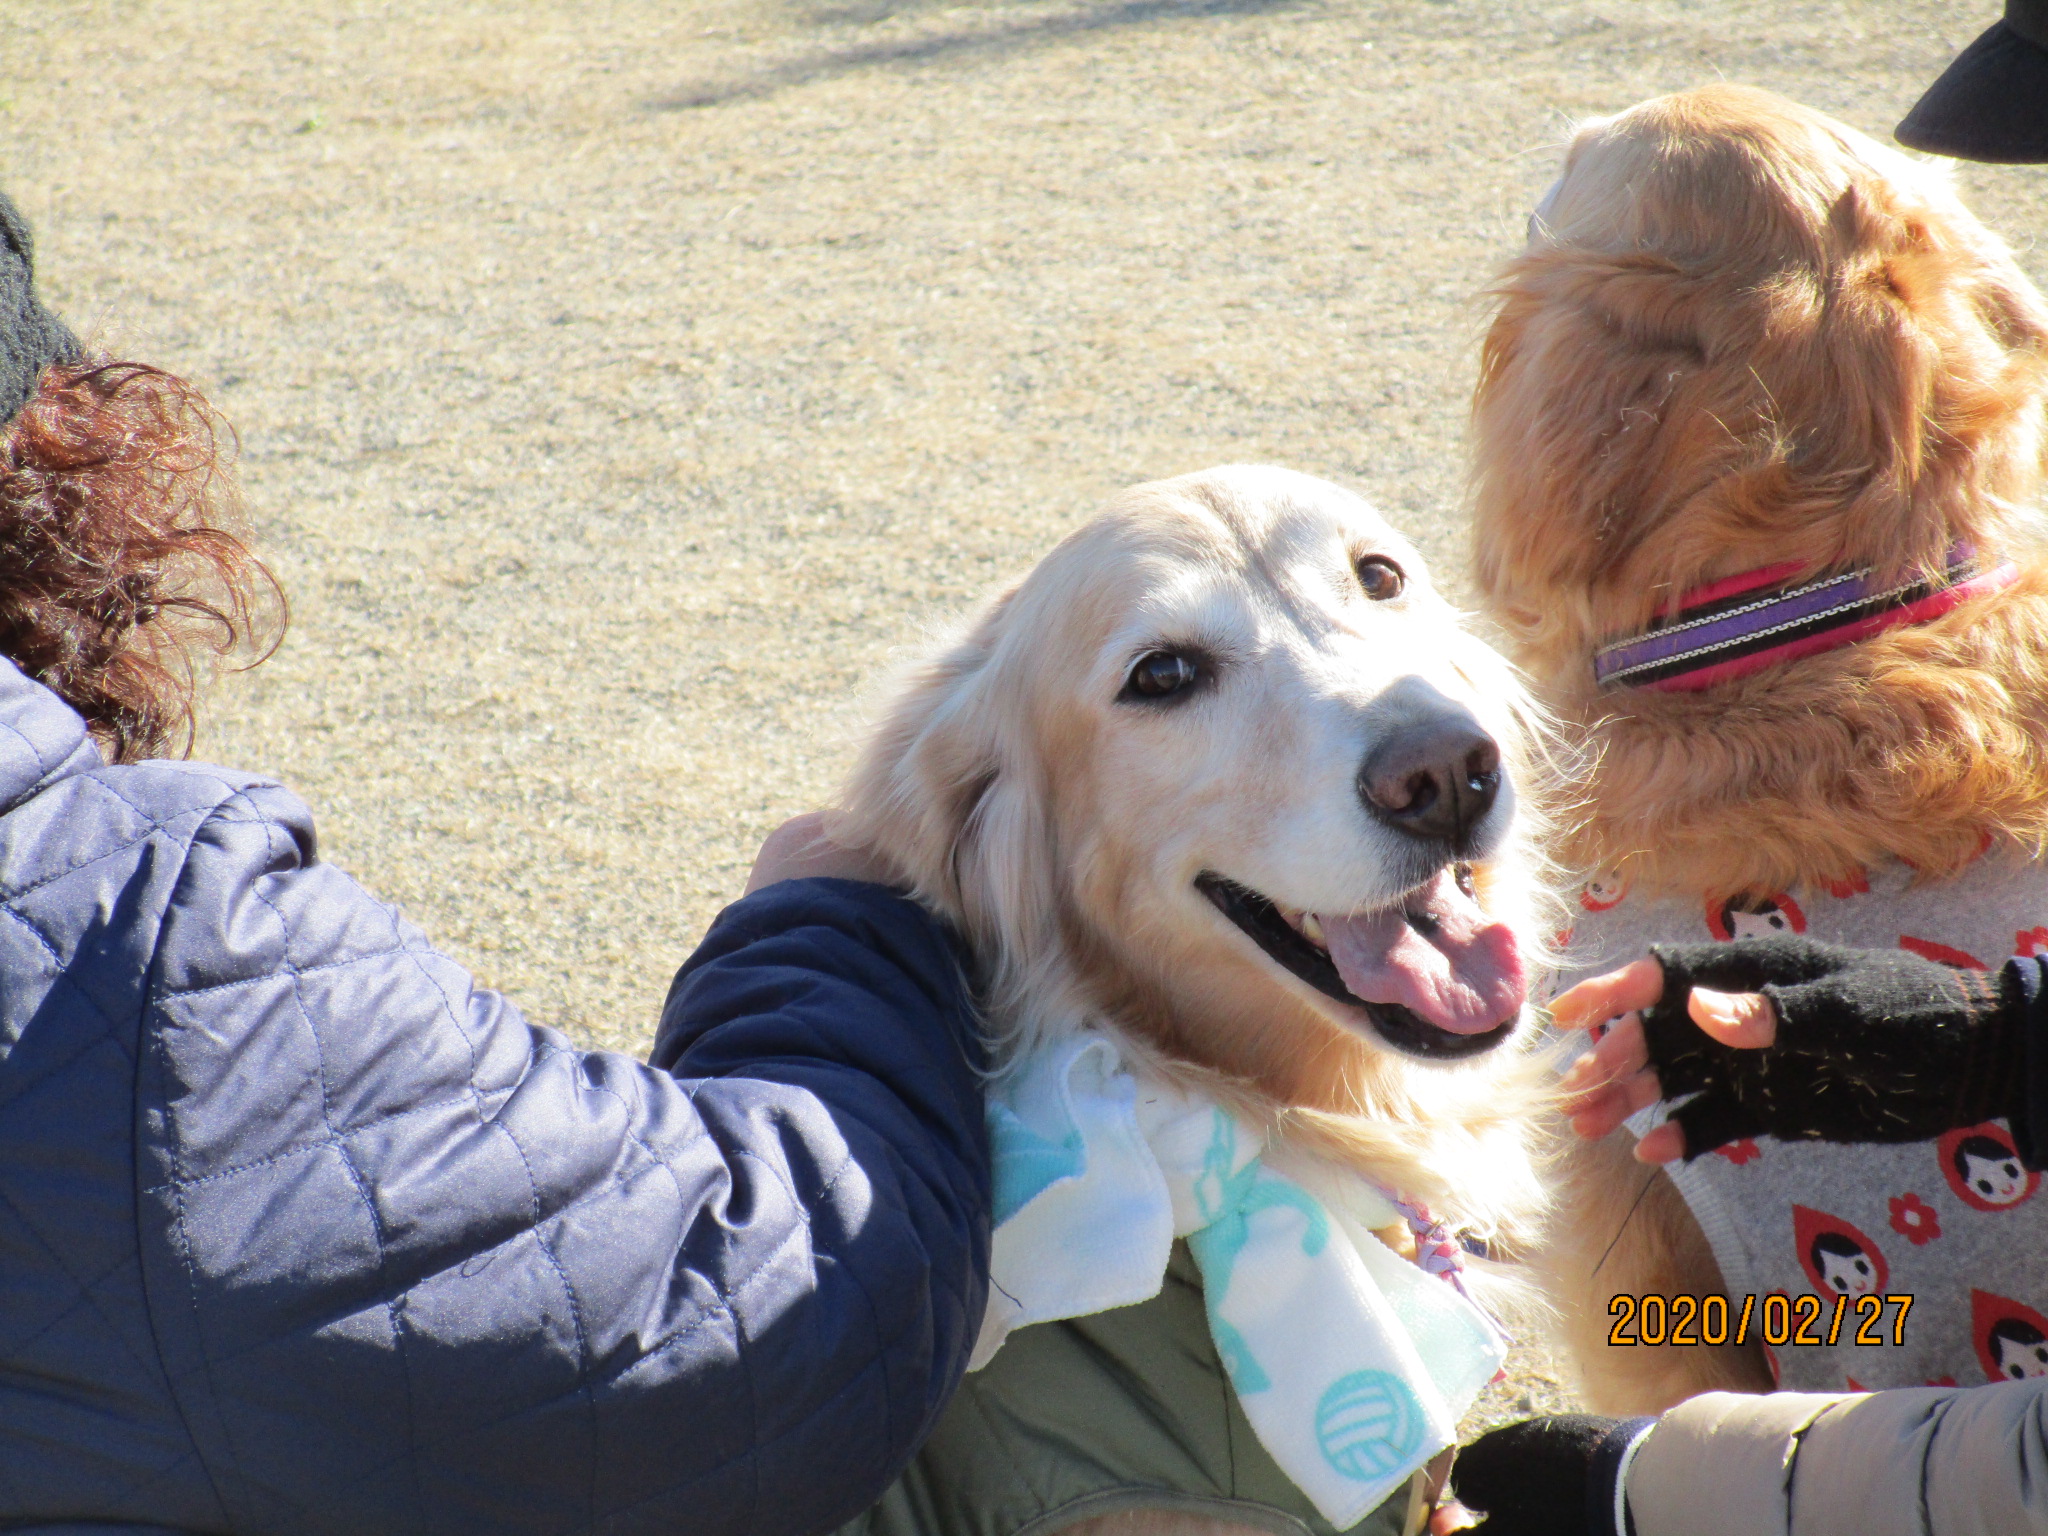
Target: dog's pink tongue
{"points": [[1436, 955]]}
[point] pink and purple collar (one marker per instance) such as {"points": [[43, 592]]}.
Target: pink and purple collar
{"points": [[1742, 624]]}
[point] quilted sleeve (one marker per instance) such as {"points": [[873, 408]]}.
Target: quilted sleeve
{"points": [[416, 1265], [826, 1013], [1898, 1463]]}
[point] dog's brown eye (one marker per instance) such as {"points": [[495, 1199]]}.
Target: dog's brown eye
{"points": [[1160, 673], [1380, 577]]}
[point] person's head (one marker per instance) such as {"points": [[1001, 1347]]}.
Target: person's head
{"points": [[120, 565]]}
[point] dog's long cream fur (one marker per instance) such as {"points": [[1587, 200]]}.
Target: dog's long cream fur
{"points": [[1061, 826]]}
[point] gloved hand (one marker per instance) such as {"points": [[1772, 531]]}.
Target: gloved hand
{"points": [[1553, 1476], [1872, 1045], [1796, 1039]]}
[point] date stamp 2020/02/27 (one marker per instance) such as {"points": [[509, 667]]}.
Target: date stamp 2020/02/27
{"points": [[1777, 1319]]}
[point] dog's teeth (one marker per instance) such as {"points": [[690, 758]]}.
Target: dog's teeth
{"points": [[1312, 930]]}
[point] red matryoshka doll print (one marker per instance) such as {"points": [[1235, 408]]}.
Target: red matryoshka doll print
{"points": [[1838, 1259], [1855, 883], [1983, 1167], [1754, 917], [1605, 890], [1941, 954], [2011, 1337]]}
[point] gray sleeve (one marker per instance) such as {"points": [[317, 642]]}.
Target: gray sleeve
{"points": [[1935, 1461]]}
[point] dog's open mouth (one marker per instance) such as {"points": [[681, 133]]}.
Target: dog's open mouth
{"points": [[1434, 975]]}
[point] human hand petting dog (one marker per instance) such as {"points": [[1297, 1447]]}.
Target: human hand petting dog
{"points": [[802, 848], [1800, 1040]]}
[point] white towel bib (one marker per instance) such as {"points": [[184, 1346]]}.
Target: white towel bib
{"points": [[1352, 1364]]}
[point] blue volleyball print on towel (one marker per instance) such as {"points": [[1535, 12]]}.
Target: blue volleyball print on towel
{"points": [[1369, 1425]]}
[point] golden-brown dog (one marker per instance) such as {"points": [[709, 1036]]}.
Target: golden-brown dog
{"points": [[1744, 336], [1223, 775]]}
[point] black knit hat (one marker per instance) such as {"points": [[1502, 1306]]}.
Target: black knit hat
{"points": [[31, 338], [1992, 102]]}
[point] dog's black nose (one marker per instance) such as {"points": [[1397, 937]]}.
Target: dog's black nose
{"points": [[1434, 778]]}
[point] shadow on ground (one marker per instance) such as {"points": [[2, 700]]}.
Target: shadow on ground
{"points": [[988, 42]]}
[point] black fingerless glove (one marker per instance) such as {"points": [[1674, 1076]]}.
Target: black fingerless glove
{"points": [[1557, 1476], [1872, 1045]]}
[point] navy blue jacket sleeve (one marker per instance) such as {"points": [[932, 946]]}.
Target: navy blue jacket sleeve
{"points": [[415, 1265], [827, 1013]]}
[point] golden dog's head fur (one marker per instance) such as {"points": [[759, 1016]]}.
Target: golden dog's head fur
{"points": [[1744, 334], [1061, 825]]}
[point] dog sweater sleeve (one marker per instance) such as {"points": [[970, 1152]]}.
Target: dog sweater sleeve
{"points": [[1872, 1045]]}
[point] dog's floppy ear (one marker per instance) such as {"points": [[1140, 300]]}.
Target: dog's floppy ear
{"points": [[948, 790]]}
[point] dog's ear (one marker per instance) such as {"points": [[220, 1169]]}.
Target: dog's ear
{"points": [[948, 790], [1574, 432], [1936, 375]]}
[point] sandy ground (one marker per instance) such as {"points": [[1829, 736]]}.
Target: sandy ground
{"points": [[620, 382]]}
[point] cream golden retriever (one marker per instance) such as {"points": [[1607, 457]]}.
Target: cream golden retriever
{"points": [[1225, 775], [1745, 337]]}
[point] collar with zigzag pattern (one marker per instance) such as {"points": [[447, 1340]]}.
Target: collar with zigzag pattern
{"points": [[1742, 624]]}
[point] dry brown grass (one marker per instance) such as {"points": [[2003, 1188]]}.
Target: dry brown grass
{"points": [[620, 381]]}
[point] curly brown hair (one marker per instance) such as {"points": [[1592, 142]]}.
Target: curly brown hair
{"points": [[118, 560]]}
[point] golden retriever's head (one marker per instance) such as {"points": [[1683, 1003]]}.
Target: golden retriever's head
{"points": [[1226, 772], [1743, 334]]}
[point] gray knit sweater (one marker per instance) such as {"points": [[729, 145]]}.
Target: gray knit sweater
{"points": [[1957, 1223]]}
